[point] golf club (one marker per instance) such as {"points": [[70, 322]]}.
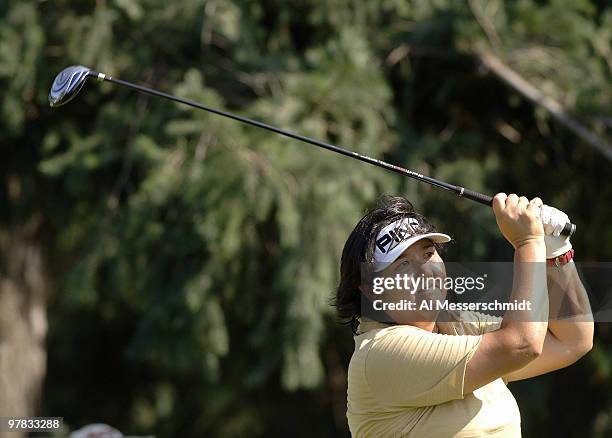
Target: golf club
{"points": [[69, 82]]}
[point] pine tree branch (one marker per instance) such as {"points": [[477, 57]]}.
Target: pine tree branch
{"points": [[484, 22], [517, 82]]}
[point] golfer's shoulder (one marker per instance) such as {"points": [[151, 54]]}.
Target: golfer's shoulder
{"points": [[406, 343], [385, 332], [381, 340], [408, 363]]}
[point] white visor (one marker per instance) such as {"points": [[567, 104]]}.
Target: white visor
{"points": [[396, 237]]}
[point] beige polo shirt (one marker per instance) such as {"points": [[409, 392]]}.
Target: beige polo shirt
{"points": [[407, 382]]}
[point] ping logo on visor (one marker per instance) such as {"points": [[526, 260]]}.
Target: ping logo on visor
{"points": [[400, 230], [398, 236]]}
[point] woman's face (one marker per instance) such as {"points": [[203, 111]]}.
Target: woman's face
{"points": [[421, 260], [423, 254]]}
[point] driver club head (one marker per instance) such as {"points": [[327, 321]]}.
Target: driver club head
{"points": [[67, 84]]}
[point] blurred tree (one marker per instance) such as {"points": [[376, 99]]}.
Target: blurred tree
{"points": [[23, 268]]}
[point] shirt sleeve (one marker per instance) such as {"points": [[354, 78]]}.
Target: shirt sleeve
{"points": [[480, 323], [410, 367]]}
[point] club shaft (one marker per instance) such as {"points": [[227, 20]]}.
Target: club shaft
{"points": [[458, 190], [289, 134]]}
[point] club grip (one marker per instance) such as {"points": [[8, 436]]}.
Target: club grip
{"points": [[475, 196], [568, 230]]}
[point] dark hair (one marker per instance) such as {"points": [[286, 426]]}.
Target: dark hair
{"points": [[359, 248]]}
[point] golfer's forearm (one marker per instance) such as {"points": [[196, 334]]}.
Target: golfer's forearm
{"points": [[528, 327], [571, 320]]}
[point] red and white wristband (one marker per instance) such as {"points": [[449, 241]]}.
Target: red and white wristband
{"points": [[561, 260]]}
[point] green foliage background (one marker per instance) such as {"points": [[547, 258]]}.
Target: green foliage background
{"points": [[193, 258]]}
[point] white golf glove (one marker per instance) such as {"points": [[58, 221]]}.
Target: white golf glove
{"points": [[554, 220]]}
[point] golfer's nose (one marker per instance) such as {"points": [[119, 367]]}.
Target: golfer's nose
{"points": [[432, 268]]}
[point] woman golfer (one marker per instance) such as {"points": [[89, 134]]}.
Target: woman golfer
{"points": [[418, 374]]}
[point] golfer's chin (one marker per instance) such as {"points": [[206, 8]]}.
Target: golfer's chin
{"points": [[433, 296], [426, 307], [430, 304]]}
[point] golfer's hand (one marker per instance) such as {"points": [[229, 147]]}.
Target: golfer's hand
{"points": [[519, 219], [554, 220]]}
